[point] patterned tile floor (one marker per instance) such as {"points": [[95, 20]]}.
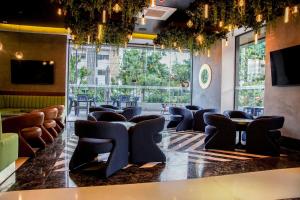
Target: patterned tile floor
{"points": [[186, 159]]}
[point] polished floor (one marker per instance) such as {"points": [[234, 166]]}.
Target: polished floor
{"points": [[186, 159], [273, 184]]}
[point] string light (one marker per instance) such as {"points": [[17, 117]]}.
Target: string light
{"points": [[226, 42], [206, 11], [69, 31], [256, 38], [190, 24], [152, 3], [59, 11], [286, 14], [117, 8], [241, 3], [259, 18], [130, 36], [104, 16], [19, 55], [200, 39], [100, 32], [295, 10], [88, 39], [143, 20], [221, 24], [208, 53]]}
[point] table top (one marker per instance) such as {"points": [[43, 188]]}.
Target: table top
{"points": [[241, 121], [126, 124]]}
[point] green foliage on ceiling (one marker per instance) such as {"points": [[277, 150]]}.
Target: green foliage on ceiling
{"points": [[214, 19]]}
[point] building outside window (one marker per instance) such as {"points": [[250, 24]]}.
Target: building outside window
{"points": [[250, 73]]}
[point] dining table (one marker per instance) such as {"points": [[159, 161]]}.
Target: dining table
{"points": [[128, 125], [241, 125]]}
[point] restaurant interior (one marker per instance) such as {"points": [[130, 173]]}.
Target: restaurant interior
{"points": [[149, 99]]}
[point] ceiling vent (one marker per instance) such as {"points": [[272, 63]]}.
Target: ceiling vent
{"points": [[158, 13]]}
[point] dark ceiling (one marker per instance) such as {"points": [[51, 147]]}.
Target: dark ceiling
{"points": [[44, 13]]}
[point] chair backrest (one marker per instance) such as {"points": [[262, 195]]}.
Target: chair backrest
{"points": [[105, 116], [266, 123], [60, 109], [150, 123], [100, 130], [141, 118], [50, 113], [219, 121], [193, 107], [109, 106], [94, 109], [237, 114], [180, 111], [17, 123], [82, 97], [131, 112]]}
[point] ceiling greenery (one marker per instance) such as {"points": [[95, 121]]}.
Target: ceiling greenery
{"points": [[113, 21], [211, 20]]}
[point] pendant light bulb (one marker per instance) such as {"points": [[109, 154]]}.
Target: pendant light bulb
{"points": [[200, 39], [208, 53], [206, 11], [286, 14], [152, 3], [241, 3], [295, 10], [175, 44], [117, 8], [256, 38], [130, 37], [190, 24], [162, 46], [226, 43], [143, 20], [19, 55], [196, 53], [100, 32], [59, 11], [221, 24], [259, 18], [104, 16], [88, 39], [1, 46]]}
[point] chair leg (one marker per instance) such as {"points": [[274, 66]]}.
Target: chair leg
{"points": [[53, 132], [116, 161], [25, 150], [46, 136], [80, 158]]}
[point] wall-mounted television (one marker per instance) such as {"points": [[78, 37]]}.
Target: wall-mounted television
{"points": [[285, 66], [32, 72]]}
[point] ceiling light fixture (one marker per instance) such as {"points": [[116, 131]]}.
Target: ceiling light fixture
{"points": [[19, 55], [59, 11], [143, 20], [51, 62], [206, 11], [152, 3], [190, 24], [104, 16], [286, 14], [117, 8]]}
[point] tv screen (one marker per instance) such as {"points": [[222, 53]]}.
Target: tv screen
{"points": [[32, 72], [285, 66]]}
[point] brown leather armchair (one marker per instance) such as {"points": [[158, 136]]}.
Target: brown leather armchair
{"points": [[49, 121], [59, 119], [28, 128]]}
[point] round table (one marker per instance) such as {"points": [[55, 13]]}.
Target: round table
{"points": [[241, 124]]}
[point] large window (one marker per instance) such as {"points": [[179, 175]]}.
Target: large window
{"points": [[250, 73], [152, 76]]}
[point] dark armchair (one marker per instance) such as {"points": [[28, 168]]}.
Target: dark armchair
{"points": [[100, 137], [199, 124], [263, 135], [110, 106], [181, 118], [237, 114], [220, 132], [193, 107], [105, 116], [131, 112], [93, 109], [143, 138]]}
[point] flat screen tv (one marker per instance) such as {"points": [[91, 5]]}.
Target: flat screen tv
{"points": [[285, 66], [32, 72]]}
